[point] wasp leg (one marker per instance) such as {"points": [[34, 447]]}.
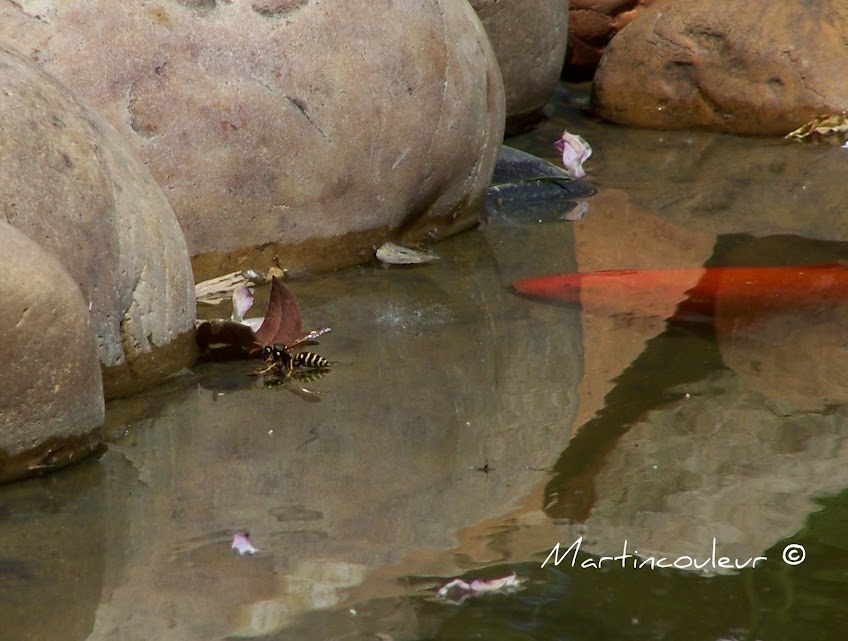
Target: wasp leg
{"points": [[271, 366]]}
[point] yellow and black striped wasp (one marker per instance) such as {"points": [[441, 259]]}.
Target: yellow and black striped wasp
{"points": [[279, 360], [280, 333], [292, 370]]}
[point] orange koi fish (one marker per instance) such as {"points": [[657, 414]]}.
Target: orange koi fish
{"points": [[699, 293]]}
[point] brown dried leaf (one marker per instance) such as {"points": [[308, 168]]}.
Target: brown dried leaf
{"points": [[283, 321]]}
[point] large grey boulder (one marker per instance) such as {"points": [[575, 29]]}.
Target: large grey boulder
{"points": [[529, 38], [70, 182], [51, 397], [314, 130]]}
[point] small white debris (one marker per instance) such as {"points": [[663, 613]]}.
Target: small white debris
{"points": [[459, 590], [578, 212], [394, 254]]}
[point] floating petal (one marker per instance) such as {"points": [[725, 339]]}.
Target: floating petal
{"points": [[459, 590], [394, 254], [242, 302], [243, 545], [575, 151]]}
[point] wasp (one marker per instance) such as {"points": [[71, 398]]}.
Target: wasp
{"points": [[292, 370], [279, 360]]}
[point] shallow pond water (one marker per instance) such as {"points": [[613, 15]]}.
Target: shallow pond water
{"points": [[465, 431]]}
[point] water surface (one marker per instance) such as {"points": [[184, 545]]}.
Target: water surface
{"points": [[465, 431]]}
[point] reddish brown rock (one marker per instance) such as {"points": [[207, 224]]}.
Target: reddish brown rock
{"points": [[592, 24], [727, 65], [51, 397], [313, 129], [529, 38]]}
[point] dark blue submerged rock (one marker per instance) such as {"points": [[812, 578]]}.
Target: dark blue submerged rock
{"points": [[528, 190]]}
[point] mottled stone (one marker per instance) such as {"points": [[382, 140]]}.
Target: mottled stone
{"points": [[70, 182], [529, 38], [591, 25], [742, 67], [51, 397], [278, 124]]}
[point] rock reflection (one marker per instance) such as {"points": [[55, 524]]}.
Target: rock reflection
{"points": [[730, 433], [53, 554], [335, 493]]}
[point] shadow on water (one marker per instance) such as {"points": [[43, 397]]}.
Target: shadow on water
{"points": [[570, 494]]}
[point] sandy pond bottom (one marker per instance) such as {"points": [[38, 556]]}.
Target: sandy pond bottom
{"points": [[465, 431]]}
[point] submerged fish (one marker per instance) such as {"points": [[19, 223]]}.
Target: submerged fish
{"points": [[700, 293]]}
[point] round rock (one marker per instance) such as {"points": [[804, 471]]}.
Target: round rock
{"points": [[591, 25], [314, 130], [70, 182], [727, 65], [529, 38], [50, 388]]}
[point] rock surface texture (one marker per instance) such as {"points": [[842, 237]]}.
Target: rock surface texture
{"points": [[727, 65], [591, 25], [529, 38], [51, 397], [72, 184], [313, 128]]}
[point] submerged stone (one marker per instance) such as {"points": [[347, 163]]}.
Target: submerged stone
{"points": [[526, 189]]}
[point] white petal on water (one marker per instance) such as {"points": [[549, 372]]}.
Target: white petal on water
{"points": [[477, 587], [578, 212], [394, 254], [242, 302], [575, 151], [242, 544]]}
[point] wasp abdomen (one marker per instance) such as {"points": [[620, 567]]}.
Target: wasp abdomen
{"points": [[309, 359]]}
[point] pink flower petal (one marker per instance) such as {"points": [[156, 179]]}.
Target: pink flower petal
{"points": [[460, 590], [575, 151], [495, 585], [243, 545], [242, 301]]}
